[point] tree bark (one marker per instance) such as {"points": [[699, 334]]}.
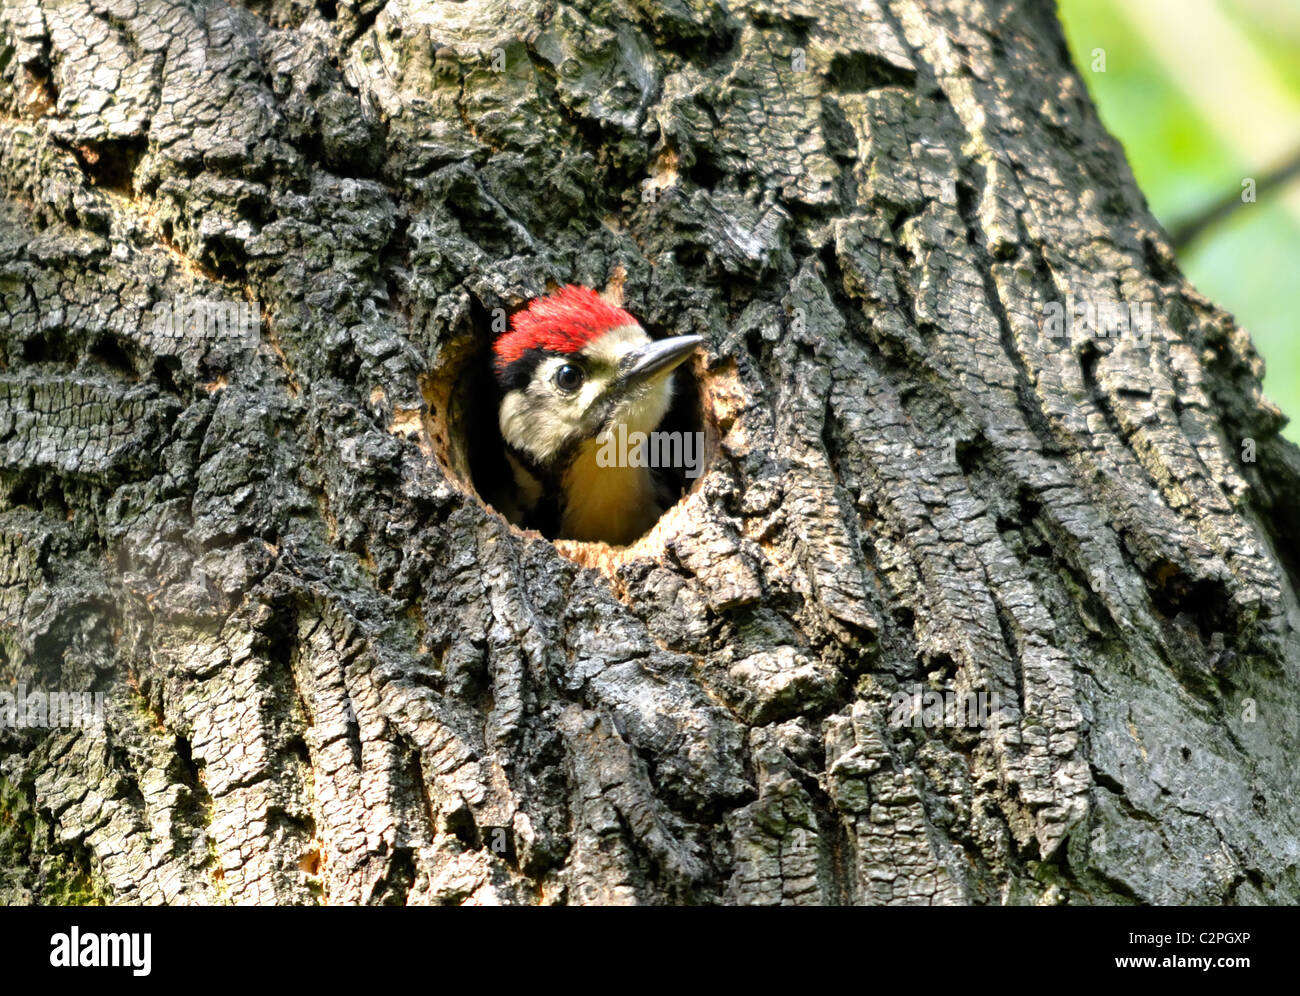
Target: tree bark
{"points": [[333, 673]]}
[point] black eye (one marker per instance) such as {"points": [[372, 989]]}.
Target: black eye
{"points": [[569, 378]]}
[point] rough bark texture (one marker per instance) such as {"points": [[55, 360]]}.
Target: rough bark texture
{"points": [[334, 675]]}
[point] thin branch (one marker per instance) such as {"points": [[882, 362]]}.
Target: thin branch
{"points": [[1186, 232]]}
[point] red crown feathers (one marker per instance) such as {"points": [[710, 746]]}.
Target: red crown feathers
{"points": [[562, 322]]}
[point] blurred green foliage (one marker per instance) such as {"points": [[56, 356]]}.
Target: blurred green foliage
{"points": [[1245, 264]]}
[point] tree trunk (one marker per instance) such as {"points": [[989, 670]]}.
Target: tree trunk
{"points": [[251, 263]]}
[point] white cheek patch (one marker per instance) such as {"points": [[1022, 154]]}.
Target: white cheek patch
{"points": [[532, 426], [512, 418], [540, 418], [586, 395]]}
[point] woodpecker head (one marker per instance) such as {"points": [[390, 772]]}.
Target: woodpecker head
{"points": [[570, 368]]}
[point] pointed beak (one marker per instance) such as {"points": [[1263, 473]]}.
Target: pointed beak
{"points": [[657, 358]]}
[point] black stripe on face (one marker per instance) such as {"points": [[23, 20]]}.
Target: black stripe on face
{"points": [[546, 474], [549, 471], [519, 374]]}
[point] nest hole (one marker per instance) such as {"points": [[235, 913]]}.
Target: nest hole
{"points": [[463, 401]]}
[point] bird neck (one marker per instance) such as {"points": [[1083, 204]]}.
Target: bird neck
{"points": [[615, 504]]}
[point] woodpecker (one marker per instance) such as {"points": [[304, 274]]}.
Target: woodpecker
{"points": [[572, 368]]}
